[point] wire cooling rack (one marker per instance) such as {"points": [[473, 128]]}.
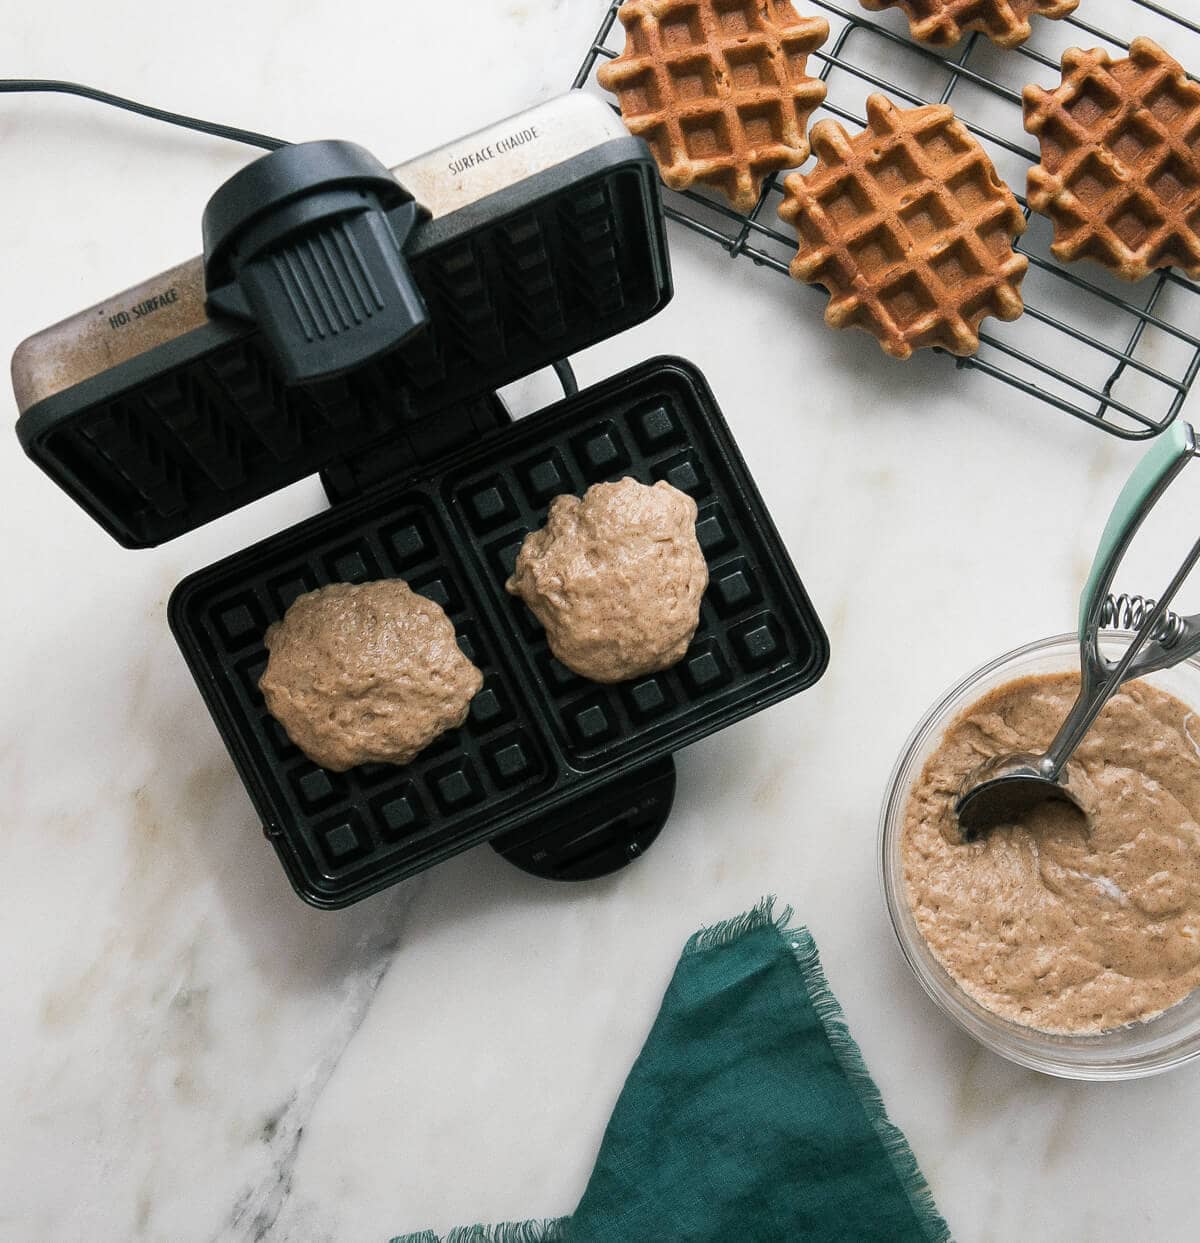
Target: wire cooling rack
{"points": [[1122, 357]]}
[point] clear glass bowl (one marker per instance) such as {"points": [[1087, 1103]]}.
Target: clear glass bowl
{"points": [[1124, 1053]]}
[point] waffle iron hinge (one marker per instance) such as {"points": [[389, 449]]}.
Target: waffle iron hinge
{"points": [[427, 440], [420, 443]]}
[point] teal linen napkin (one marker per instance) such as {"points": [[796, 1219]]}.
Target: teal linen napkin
{"points": [[748, 1117]]}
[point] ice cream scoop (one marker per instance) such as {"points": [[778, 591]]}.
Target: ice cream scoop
{"points": [[1004, 787]]}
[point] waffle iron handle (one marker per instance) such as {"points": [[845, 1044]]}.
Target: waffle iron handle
{"points": [[308, 243], [598, 832]]}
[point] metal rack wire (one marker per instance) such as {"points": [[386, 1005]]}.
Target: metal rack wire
{"points": [[1118, 356]]}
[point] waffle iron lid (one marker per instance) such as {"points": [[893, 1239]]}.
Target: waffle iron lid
{"points": [[157, 411]]}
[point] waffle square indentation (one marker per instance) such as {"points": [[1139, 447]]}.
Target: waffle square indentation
{"points": [[926, 218], [1172, 180], [314, 787], [972, 189], [352, 565], [344, 840], [733, 588], [752, 66], [488, 708], [284, 589], [683, 471], [705, 136], [401, 813], [456, 786], [704, 668], [895, 170], [713, 532], [241, 621], [601, 451], [845, 202], [647, 698], [758, 642], [591, 723], [407, 544], [1093, 100], [1167, 102], [558, 676], [545, 477], [490, 506], [736, 17], [440, 589], [640, 95], [1135, 139], [504, 555], [876, 250], [682, 29], [907, 300], [1092, 179], [763, 123], [693, 78], [656, 427], [509, 760], [1135, 221], [956, 264]]}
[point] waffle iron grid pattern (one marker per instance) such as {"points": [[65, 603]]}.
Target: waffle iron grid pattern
{"points": [[739, 640], [348, 820], [1122, 358], [535, 729]]}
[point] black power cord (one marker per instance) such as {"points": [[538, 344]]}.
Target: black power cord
{"points": [[49, 86]]}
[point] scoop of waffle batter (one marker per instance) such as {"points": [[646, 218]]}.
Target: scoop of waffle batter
{"points": [[909, 228], [942, 23], [718, 88], [1120, 170]]}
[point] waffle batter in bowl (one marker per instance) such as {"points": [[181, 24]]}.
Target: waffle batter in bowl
{"points": [[1068, 947]]}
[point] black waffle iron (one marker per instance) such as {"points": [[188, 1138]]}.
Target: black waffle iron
{"points": [[203, 389]]}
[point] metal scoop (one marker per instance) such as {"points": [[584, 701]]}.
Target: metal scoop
{"points": [[1001, 789]]}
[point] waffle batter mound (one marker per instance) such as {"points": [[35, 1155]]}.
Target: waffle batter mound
{"points": [[1052, 923], [615, 578], [366, 673]]}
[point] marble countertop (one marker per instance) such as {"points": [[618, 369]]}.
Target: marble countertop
{"points": [[191, 1053]]}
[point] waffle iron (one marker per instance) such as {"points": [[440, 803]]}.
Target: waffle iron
{"points": [[184, 398]]}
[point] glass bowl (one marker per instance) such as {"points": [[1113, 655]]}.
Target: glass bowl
{"points": [[1128, 1052]]}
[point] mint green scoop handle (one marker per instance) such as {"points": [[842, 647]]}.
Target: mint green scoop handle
{"points": [[1150, 479]]}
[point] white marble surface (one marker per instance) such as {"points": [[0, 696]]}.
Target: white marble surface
{"points": [[190, 1053]]}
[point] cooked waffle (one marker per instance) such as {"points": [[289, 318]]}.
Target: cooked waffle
{"points": [[909, 228], [942, 23], [718, 88], [1120, 170]]}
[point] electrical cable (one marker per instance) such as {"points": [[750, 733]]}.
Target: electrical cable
{"points": [[49, 86]]}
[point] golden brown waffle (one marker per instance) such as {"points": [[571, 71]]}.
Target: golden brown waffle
{"points": [[718, 88], [1120, 170], [942, 23], [909, 228]]}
